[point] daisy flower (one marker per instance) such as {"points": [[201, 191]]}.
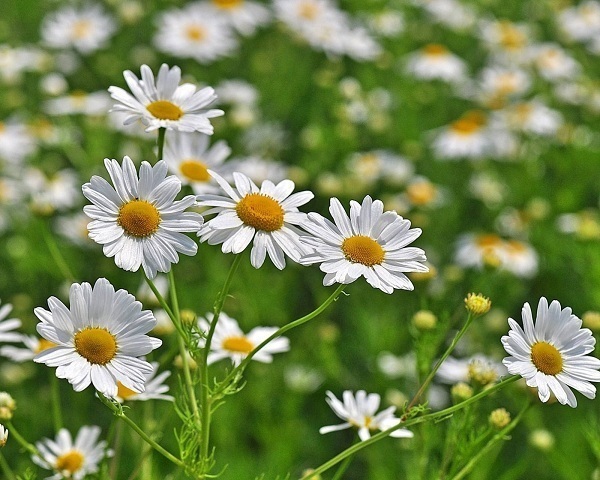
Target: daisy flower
{"points": [[155, 388], [98, 339], [189, 156], [435, 61], [79, 103], [8, 327], [454, 370], [86, 29], [360, 411], [369, 243], [32, 345], [16, 142], [165, 104], [268, 216], [71, 459], [551, 354], [138, 220], [243, 15], [230, 342]]}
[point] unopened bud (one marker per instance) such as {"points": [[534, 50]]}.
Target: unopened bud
{"points": [[499, 418], [477, 304], [7, 406], [424, 320], [461, 391]]}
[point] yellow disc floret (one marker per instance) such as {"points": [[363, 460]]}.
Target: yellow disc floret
{"points": [[165, 110], [139, 218], [97, 345], [194, 170], [70, 462], [363, 249], [546, 358], [261, 212], [228, 4], [124, 392], [238, 345]]}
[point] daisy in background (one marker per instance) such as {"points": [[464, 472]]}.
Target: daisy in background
{"points": [[8, 326], [454, 370], [467, 137], [3, 436], [551, 353], [451, 13], [553, 63], [505, 39], [50, 193], [32, 345], [16, 142], [436, 62], [267, 217], [74, 229], [243, 15], [155, 388], [580, 23], [259, 169], [531, 117], [165, 103], [86, 29], [138, 221], [190, 156], [370, 167], [72, 459], [99, 339], [197, 32], [360, 411], [497, 85], [230, 342], [370, 243], [79, 103]]}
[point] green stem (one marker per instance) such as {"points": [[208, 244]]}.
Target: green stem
{"points": [[217, 308], [56, 254], [120, 414], [161, 142], [24, 443], [446, 354], [6, 468], [55, 400], [495, 439], [296, 323], [342, 468], [164, 305], [413, 421]]}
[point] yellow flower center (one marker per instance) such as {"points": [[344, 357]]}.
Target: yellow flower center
{"points": [[96, 345], [44, 344], [194, 170], [260, 211], [81, 29], [308, 11], [511, 38], [139, 218], [238, 345], [421, 193], [165, 110], [70, 462], [435, 50], [363, 249], [228, 4], [546, 358], [195, 33], [124, 392], [470, 123]]}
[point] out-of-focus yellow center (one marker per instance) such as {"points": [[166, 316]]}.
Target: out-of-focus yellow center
{"points": [[70, 462], [363, 249], [81, 29], [195, 33], [139, 218], [261, 212], [194, 170], [165, 110], [421, 193], [228, 4], [469, 123], [308, 10], [238, 345], [511, 38], [44, 344], [546, 358], [435, 50], [124, 392], [97, 345]]}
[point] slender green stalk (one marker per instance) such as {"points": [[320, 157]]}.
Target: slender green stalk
{"points": [[55, 400], [413, 421], [164, 305], [160, 142], [448, 351], [120, 414], [296, 323], [56, 254], [24, 443], [342, 468], [218, 307], [6, 468], [493, 441]]}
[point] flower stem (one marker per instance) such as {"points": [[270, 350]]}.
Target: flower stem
{"points": [[217, 308], [160, 142], [55, 400], [413, 421], [24, 443], [6, 468], [57, 255], [434, 370], [296, 323], [342, 468], [119, 413]]}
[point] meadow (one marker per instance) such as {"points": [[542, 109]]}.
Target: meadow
{"points": [[472, 124]]}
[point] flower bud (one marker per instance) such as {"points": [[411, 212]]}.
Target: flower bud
{"points": [[499, 418], [477, 304], [7, 406], [424, 320]]}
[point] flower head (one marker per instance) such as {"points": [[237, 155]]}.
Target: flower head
{"points": [[267, 215], [138, 220], [552, 353], [71, 459], [370, 243], [8, 326], [164, 103], [230, 342], [99, 338], [155, 388], [360, 411], [7, 406], [477, 304]]}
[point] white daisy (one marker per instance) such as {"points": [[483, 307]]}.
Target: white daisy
{"points": [[554, 63], [189, 156], [72, 459], [454, 370], [267, 215], [243, 15], [32, 346], [49, 193], [369, 243], [79, 103], [86, 29], [552, 353], [435, 61], [259, 169], [195, 31], [155, 388], [360, 411], [138, 220], [230, 342], [165, 104], [581, 22], [8, 326], [532, 117], [98, 339], [3, 436], [467, 137], [16, 142]]}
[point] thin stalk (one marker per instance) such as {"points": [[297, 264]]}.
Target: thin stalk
{"points": [[55, 400], [57, 256], [164, 305], [217, 308], [278, 333], [24, 443], [160, 142], [342, 468], [413, 421], [6, 468], [120, 414], [441, 360]]}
